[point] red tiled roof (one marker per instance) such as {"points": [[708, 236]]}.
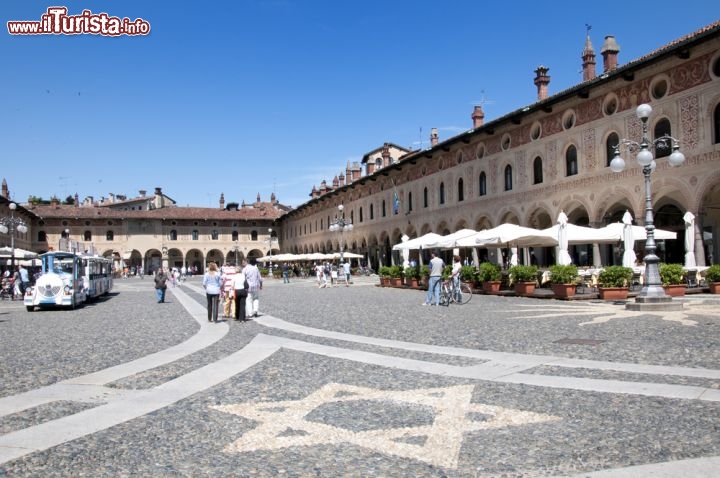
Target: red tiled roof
{"points": [[262, 211]]}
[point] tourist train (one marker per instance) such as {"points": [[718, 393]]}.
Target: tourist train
{"points": [[69, 279]]}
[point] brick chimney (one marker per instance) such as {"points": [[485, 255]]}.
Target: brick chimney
{"points": [[588, 60], [610, 50], [222, 200], [159, 199], [77, 200], [386, 155], [542, 80], [433, 137], [478, 117], [5, 190], [342, 179]]}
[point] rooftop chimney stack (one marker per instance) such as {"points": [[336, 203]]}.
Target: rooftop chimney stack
{"points": [[433, 137], [478, 117], [542, 80], [610, 50]]}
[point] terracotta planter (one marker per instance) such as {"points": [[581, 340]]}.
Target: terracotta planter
{"points": [[675, 290], [613, 293], [563, 290], [714, 287], [396, 281], [491, 287], [384, 281], [524, 288]]}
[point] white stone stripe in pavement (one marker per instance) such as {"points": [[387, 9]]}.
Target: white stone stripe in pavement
{"points": [[76, 388], [521, 360], [56, 432]]}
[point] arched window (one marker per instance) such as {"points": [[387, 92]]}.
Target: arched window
{"points": [[482, 184], [537, 170], [461, 190], [360, 215], [372, 212], [195, 235], [442, 193], [716, 124], [42, 237], [382, 209], [425, 197], [571, 166], [612, 141], [409, 201], [508, 178], [87, 236], [173, 235], [662, 128], [234, 236], [109, 236], [253, 235]]}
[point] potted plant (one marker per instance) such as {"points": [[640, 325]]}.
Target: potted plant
{"points": [[524, 279], [489, 275], [384, 273], [424, 274], [412, 276], [613, 282], [672, 277], [396, 275], [712, 277], [563, 279]]}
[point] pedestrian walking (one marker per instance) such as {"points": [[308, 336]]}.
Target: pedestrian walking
{"points": [[227, 283], [160, 285], [252, 275], [286, 273], [436, 269], [240, 288], [212, 283], [346, 272]]}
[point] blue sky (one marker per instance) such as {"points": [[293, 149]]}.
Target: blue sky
{"points": [[256, 96]]}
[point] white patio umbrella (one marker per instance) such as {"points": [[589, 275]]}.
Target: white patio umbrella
{"points": [[564, 258], [422, 242], [511, 235], [19, 253], [616, 230], [629, 256], [689, 219], [451, 240]]}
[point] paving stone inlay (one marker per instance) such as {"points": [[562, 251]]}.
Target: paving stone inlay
{"points": [[358, 381]]}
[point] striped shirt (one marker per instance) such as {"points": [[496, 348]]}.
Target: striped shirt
{"points": [[252, 275]]}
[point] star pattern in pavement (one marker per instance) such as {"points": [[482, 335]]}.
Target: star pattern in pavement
{"points": [[284, 423]]}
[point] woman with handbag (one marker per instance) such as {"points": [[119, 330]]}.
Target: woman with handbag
{"points": [[211, 284], [239, 290]]}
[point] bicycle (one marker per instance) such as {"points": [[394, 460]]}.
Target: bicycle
{"points": [[449, 293]]}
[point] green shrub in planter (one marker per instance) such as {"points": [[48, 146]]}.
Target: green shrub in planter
{"points": [[468, 274], [672, 274], [615, 276], [489, 272], [425, 270], [560, 274], [412, 272], [384, 272], [396, 271], [521, 273], [712, 274]]}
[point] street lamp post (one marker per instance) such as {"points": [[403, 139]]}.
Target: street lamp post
{"points": [[236, 248], [270, 249], [652, 296], [341, 225], [8, 225]]}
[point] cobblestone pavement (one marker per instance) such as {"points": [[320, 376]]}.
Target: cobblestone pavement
{"points": [[358, 381]]}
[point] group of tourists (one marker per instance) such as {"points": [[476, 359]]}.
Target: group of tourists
{"points": [[239, 289], [14, 283], [328, 275]]}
